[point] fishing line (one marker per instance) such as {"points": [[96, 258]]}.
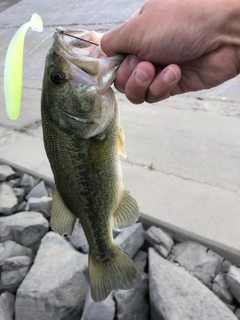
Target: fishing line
{"points": [[88, 41], [37, 46]]}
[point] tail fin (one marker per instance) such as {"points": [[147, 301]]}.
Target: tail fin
{"points": [[119, 272]]}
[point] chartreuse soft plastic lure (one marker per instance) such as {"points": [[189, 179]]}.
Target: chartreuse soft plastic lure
{"points": [[13, 66]]}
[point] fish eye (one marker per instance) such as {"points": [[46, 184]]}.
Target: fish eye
{"points": [[56, 77]]}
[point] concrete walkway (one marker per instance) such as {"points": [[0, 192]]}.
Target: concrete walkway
{"points": [[183, 164]]}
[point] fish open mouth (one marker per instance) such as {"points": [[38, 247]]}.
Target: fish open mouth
{"points": [[82, 49], [79, 43]]}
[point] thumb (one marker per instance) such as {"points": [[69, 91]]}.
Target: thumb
{"points": [[120, 39], [112, 42]]}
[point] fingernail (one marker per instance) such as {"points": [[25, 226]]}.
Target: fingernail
{"points": [[169, 76], [133, 61], [140, 76]]}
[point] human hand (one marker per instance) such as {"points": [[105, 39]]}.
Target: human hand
{"points": [[176, 46]]}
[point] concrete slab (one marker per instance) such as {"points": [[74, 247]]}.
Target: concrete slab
{"points": [[207, 211], [181, 137], [25, 149]]}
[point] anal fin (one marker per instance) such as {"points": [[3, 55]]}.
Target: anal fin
{"points": [[127, 212], [62, 220]]}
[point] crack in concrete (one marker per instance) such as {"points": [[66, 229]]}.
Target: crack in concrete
{"points": [[7, 131], [31, 126], [152, 168], [24, 129]]}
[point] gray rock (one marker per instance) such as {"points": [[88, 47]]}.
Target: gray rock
{"points": [[19, 193], [237, 313], [216, 255], [50, 191], [233, 281], [56, 285], [104, 310], [131, 239], [175, 294], [220, 288], [38, 191], [231, 307], [7, 301], [28, 182], [133, 304], [45, 213], [160, 240], [14, 183], [39, 204], [14, 271], [163, 251], [8, 200], [226, 265], [7, 173], [12, 249], [78, 238], [21, 206], [26, 228], [140, 260], [195, 258]]}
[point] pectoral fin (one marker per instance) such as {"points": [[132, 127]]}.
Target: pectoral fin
{"points": [[127, 212], [121, 139], [62, 220]]}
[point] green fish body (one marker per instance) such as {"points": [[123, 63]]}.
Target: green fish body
{"points": [[83, 139]]}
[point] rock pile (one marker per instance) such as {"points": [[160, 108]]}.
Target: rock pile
{"points": [[45, 276]]}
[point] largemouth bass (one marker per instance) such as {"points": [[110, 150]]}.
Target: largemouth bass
{"points": [[83, 140]]}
